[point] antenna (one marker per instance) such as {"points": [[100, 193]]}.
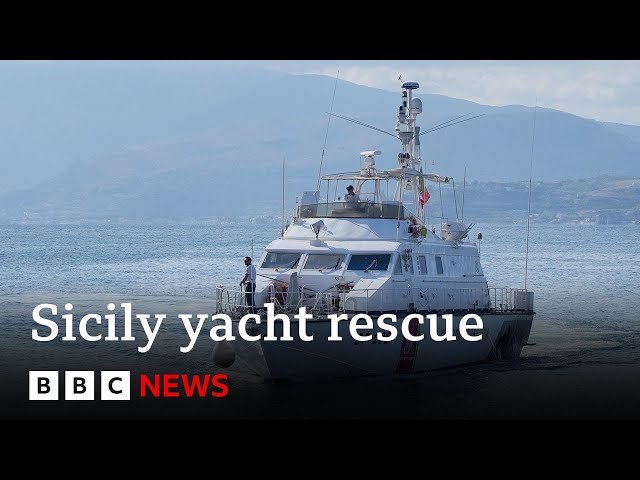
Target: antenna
{"points": [[399, 192], [533, 136], [448, 124], [455, 199], [327, 132], [433, 129], [464, 187], [282, 226], [441, 204], [358, 122]]}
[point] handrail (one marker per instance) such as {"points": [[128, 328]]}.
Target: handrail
{"points": [[359, 209], [408, 298]]}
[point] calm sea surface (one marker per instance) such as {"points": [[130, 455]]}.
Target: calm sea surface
{"points": [[585, 362]]}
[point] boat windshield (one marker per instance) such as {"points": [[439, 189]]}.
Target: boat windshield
{"points": [[280, 260], [366, 262], [323, 262], [352, 210]]}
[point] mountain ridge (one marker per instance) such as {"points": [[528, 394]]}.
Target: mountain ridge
{"points": [[234, 142]]}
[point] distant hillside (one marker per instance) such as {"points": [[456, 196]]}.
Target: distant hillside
{"points": [[604, 200], [208, 198], [189, 143], [630, 131]]}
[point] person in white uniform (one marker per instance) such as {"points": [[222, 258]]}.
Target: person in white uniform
{"points": [[249, 281], [350, 196]]}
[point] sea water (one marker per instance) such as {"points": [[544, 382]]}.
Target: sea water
{"points": [[584, 362]]}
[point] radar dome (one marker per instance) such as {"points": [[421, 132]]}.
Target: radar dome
{"points": [[416, 105]]}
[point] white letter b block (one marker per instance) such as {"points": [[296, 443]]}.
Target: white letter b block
{"points": [[43, 385], [78, 385]]}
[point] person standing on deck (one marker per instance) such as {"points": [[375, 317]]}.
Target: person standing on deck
{"points": [[249, 281]]}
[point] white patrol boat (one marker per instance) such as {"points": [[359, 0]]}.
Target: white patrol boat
{"points": [[377, 254]]}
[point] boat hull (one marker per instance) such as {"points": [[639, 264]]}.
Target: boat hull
{"points": [[503, 336]]}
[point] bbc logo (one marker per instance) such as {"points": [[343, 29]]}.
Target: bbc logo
{"points": [[79, 385]]}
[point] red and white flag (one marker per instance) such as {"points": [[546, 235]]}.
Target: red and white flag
{"points": [[424, 193]]}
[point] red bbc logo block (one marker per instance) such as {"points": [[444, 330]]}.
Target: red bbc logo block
{"points": [[80, 385]]}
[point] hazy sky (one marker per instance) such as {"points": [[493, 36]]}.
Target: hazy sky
{"points": [[604, 90], [51, 117]]}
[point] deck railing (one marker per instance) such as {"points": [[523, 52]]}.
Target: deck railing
{"points": [[362, 209], [406, 299]]}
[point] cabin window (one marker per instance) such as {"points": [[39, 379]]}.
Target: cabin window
{"points": [[397, 268], [408, 263], [279, 260], [439, 265], [323, 262], [422, 265], [370, 262]]}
